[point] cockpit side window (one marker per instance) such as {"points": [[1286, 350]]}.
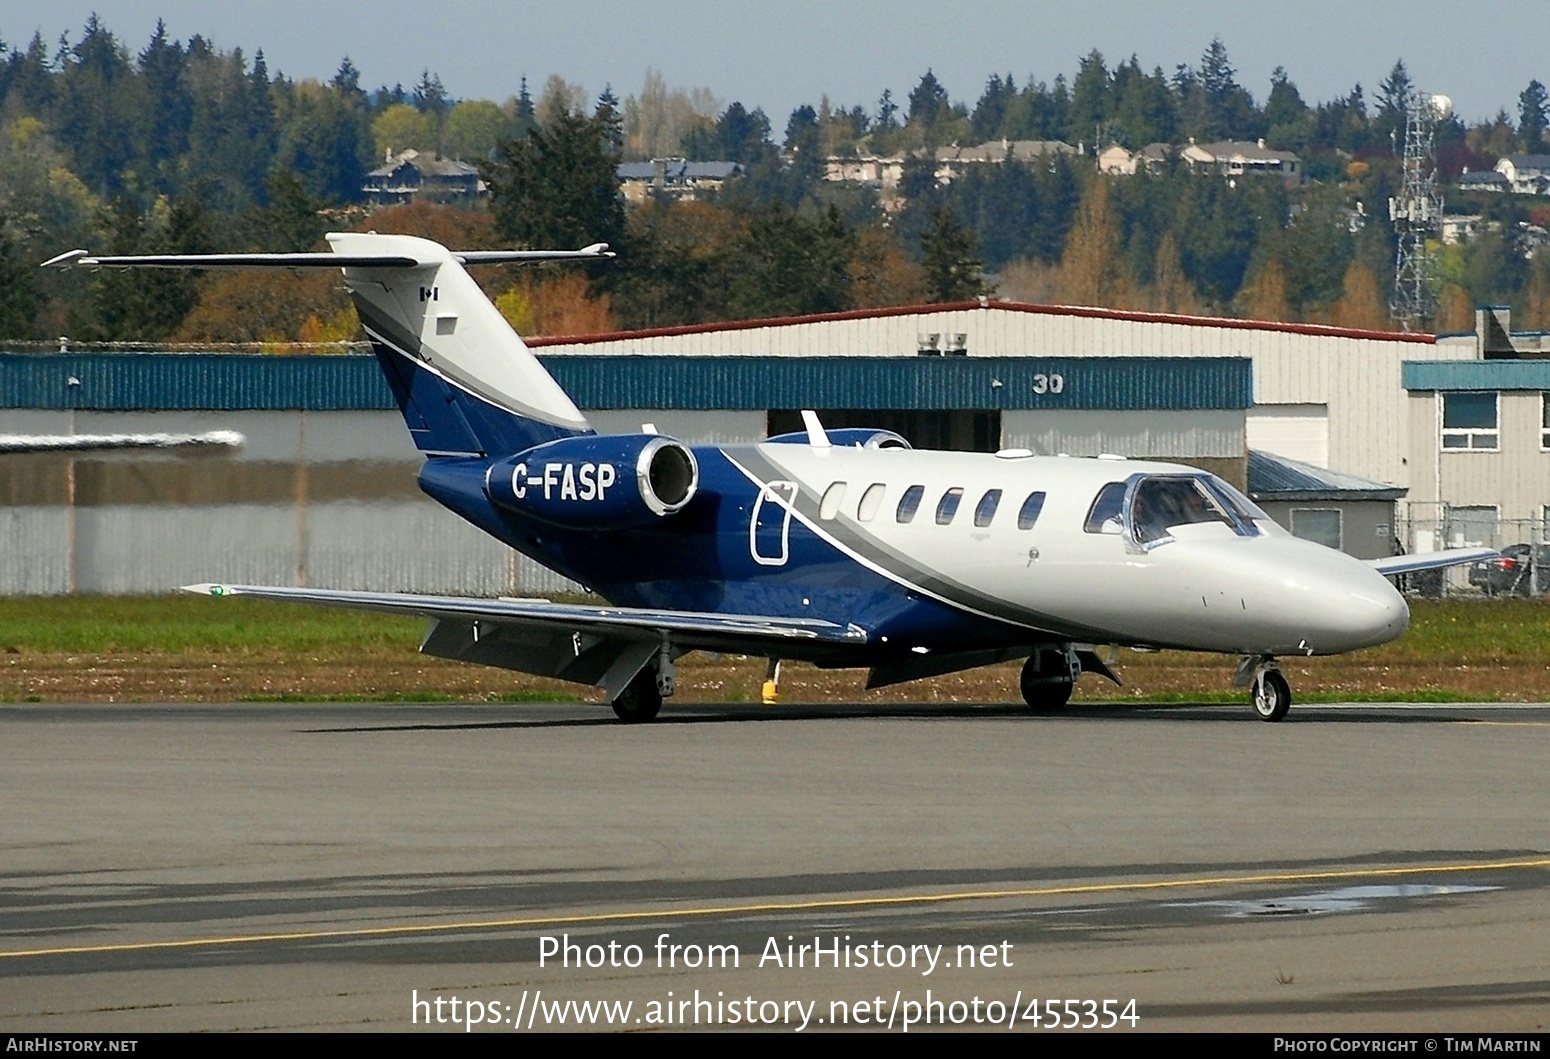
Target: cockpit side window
{"points": [[1162, 503], [1107, 510]]}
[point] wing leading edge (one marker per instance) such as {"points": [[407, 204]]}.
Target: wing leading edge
{"points": [[1409, 564]]}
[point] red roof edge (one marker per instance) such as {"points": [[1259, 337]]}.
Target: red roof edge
{"points": [[1085, 311]]}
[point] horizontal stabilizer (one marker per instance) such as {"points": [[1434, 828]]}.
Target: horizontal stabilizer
{"points": [[86, 259], [1409, 564], [689, 629]]}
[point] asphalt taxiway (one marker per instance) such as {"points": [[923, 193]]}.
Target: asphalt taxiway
{"points": [[333, 866]]}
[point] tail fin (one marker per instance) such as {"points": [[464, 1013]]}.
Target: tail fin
{"points": [[465, 382]]}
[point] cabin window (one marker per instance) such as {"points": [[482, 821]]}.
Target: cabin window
{"points": [[986, 510], [909, 503], [871, 500], [1469, 421], [1107, 512], [947, 507], [833, 497], [1028, 514]]}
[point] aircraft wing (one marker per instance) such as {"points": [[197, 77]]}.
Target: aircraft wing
{"points": [[745, 633], [210, 440], [1409, 564]]}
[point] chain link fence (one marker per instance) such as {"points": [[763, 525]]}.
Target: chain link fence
{"points": [[1522, 571]]}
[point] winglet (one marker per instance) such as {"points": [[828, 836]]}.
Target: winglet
{"points": [[66, 259]]}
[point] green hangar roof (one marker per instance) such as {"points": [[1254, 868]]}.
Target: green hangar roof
{"points": [[1476, 374], [224, 381]]}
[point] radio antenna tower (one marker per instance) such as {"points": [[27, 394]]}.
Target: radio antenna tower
{"points": [[1417, 213]]}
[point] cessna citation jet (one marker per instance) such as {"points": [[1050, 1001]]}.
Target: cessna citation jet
{"points": [[843, 548]]}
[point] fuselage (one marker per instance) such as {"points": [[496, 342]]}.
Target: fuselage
{"points": [[947, 551]]}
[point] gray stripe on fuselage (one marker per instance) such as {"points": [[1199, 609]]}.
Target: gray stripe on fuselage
{"points": [[907, 571]]}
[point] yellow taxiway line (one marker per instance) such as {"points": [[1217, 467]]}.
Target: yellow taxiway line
{"points": [[827, 904]]}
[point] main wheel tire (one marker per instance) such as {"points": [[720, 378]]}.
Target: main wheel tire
{"points": [[640, 701], [1272, 696], [1043, 690]]}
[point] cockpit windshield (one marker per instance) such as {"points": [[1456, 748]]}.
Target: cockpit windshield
{"points": [[1236, 502], [1159, 504]]}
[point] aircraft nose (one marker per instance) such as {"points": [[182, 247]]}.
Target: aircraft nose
{"points": [[1357, 608], [1377, 612]]}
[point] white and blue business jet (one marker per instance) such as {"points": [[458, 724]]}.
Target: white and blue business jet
{"points": [[844, 548]]}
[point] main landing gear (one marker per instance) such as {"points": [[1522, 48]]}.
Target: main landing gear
{"points": [[641, 699], [1047, 678], [1272, 695]]}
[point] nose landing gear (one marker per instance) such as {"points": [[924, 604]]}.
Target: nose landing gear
{"points": [[1272, 695]]}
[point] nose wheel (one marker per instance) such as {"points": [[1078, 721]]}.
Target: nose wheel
{"points": [[1272, 694]]}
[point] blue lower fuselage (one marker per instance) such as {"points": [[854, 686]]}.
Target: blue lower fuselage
{"points": [[701, 559]]}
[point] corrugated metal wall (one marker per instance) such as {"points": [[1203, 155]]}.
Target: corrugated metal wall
{"points": [[410, 546], [227, 382], [1355, 374], [323, 498]]}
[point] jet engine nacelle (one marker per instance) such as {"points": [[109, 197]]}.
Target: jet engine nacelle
{"points": [[602, 482]]}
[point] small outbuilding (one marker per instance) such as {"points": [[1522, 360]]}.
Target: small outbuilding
{"points": [[1342, 511]]}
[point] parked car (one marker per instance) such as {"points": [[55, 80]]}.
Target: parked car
{"points": [[1511, 573]]}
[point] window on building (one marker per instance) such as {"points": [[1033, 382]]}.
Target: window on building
{"points": [[986, 510], [1469, 421], [833, 497], [1321, 525], [871, 500], [947, 507], [1544, 421], [909, 503], [1469, 526], [1028, 514]]}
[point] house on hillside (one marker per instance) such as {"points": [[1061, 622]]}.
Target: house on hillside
{"points": [[1483, 180], [1120, 161], [676, 178], [865, 169], [953, 161], [423, 176], [1526, 174], [1235, 158]]}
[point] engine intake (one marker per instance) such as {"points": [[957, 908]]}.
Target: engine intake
{"points": [[597, 482]]}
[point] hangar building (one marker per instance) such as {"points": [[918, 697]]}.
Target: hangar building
{"points": [[323, 491]]}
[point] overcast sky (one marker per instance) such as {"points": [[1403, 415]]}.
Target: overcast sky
{"points": [[777, 55]]}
